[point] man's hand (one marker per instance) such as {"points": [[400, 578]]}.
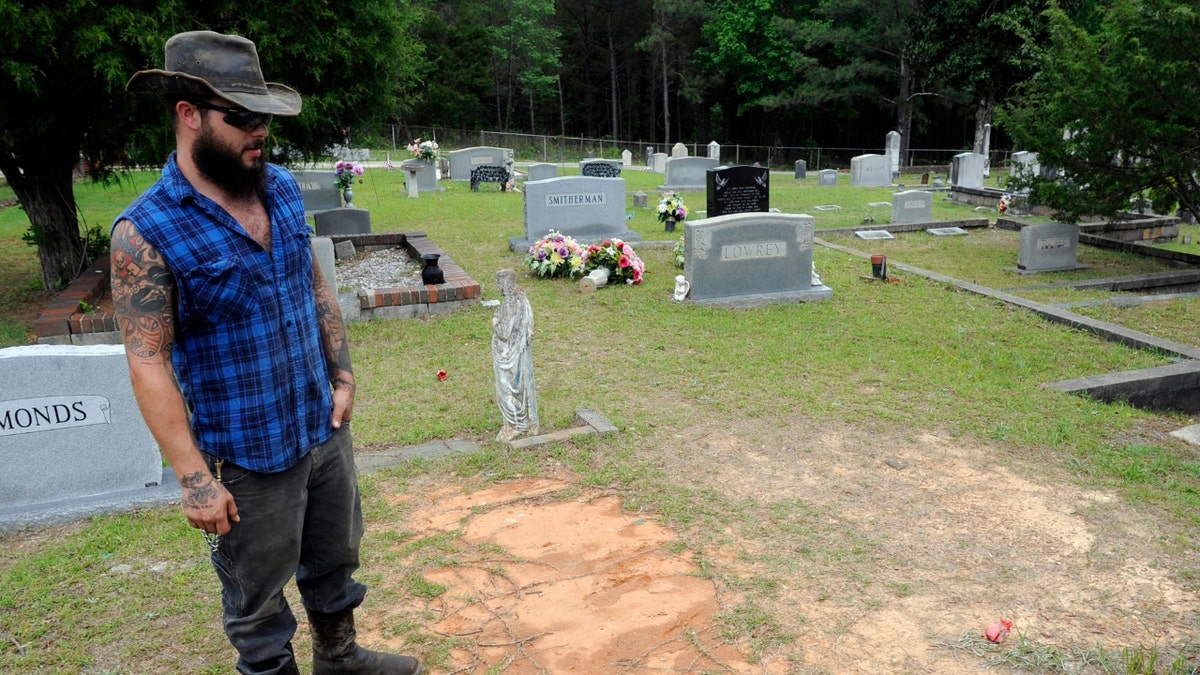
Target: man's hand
{"points": [[343, 403], [207, 504]]}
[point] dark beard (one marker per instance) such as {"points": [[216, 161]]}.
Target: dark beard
{"points": [[223, 168]]}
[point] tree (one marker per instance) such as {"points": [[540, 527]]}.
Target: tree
{"points": [[65, 64], [525, 54], [1115, 106]]}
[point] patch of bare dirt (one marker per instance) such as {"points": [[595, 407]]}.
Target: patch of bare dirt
{"points": [[874, 568]]}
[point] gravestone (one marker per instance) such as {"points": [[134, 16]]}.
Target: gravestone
{"points": [[600, 168], [427, 177], [626, 158], [801, 169], [966, 170], [586, 208], [746, 259], [463, 161], [987, 150], [687, 173], [827, 178], [71, 434], [640, 199], [345, 220], [318, 191], [1048, 247], [658, 162], [714, 151], [870, 171], [649, 156], [679, 150], [737, 189], [542, 171], [891, 145], [1024, 165], [912, 206]]}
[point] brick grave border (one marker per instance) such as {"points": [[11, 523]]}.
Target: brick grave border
{"points": [[64, 322]]}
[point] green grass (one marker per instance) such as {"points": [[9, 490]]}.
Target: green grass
{"points": [[100, 595]]}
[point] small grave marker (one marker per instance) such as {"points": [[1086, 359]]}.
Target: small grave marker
{"points": [[873, 234], [945, 231]]}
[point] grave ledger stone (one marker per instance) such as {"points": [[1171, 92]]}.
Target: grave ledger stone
{"points": [[870, 171], [585, 208], [912, 206], [70, 427], [1049, 247], [687, 173], [747, 259], [738, 189]]}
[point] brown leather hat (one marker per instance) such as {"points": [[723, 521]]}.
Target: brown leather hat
{"points": [[202, 61]]}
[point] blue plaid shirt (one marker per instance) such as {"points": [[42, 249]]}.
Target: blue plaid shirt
{"points": [[248, 353]]}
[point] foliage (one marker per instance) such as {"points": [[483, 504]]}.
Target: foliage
{"points": [[344, 173], [1114, 107], [619, 257], [555, 255], [678, 251], [671, 206]]}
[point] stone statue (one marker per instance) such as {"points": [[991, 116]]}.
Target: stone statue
{"points": [[512, 357]]}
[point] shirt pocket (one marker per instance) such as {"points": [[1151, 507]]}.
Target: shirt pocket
{"points": [[220, 291]]}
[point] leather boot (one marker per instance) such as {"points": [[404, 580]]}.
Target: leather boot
{"points": [[335, 651]]}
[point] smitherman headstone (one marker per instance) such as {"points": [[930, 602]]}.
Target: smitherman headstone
{"points": [[70, 429], [738, 189], [912, 206], [585, 208], [1049, 247], [746, 259]]}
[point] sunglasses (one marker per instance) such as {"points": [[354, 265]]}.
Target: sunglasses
{"points": [[237, 117]]}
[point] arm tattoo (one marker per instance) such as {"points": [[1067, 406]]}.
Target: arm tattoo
{"points": [[333, 332], [199, 490], [143, 293]]}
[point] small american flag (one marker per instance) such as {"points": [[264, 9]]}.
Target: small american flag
{"points": [[390, 165]]}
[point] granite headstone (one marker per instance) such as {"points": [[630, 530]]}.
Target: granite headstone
{"points": [[801, 169], [1048, 247], [542, 171], [585, 208], [687, 173], [827, 178], [912, 206], [737, 189], [870, 171], [463, 161]]}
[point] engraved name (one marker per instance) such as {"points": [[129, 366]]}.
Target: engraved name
{"points": [[1050, 243], [754, 251], [576, 199], [27, 415]]}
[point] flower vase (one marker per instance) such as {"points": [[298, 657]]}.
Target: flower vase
{"points": [[348, 195], [670, 224], [432, 274]]}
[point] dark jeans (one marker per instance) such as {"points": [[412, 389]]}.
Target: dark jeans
{"points": [[307, 522]]}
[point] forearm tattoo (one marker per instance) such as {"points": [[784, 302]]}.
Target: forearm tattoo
{"points": [[333, 332], [143, 292]]}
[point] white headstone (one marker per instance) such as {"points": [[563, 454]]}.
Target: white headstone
{"points": [[827, 178], [688, 173], [714, 151], [891, 146], [679, 150], [658, 162], [626, 158], [987, 150], [1024, 164], [966, 170], [870, 171], [912, 206]]}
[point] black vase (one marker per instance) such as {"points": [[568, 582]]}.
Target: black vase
{"points": [[432, 274]]}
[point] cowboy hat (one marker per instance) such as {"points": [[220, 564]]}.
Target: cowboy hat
{"points": [[205, 62]]}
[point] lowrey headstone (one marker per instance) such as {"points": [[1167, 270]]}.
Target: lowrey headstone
{"points": [[1048, 247], [687, 173], [966, 170], [827, 178], [912, 206], [870, 171], [751, 258], [585, 208], [801, 169], [679, 150], [463, 161], [542, 171], [737, 189], [70, 429]]}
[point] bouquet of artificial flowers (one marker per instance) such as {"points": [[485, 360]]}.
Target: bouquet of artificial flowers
{"points": [[671, 207], [555, 255], [622, 263], [423, 149], [344, 174]]}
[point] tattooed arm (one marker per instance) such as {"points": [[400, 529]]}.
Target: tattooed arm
{"points": [[143, 293], [337, 348]]}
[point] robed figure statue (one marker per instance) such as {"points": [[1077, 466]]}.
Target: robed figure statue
{"points": [[512, 357]]}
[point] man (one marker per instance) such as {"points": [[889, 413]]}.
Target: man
{"points": [[239, 361]]}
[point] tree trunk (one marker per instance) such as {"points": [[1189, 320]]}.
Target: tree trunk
{"points": [[666, 99], [984, 110], [612, 76], [904, 110], [39, 170]]}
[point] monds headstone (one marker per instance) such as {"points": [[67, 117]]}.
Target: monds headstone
{"points": [[347, 220], [870, 171], [658, 162], [1048, 247], [827, 178], [542, 171], [600, 168], [801, 169], [891, 145], [679, 150], [714, 151], [626, 158], [586, 208], [463, 161], [71, 434], [318, 191], [737, 189], [966, 170], [912, 206], [687, 173], [747, 259]]}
